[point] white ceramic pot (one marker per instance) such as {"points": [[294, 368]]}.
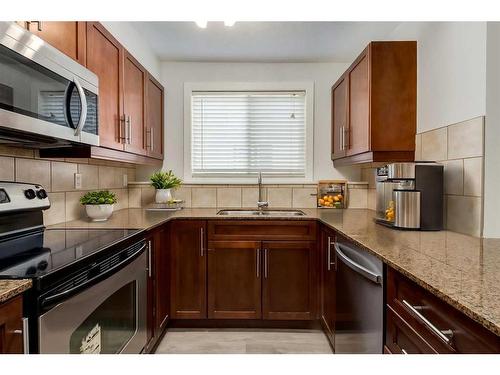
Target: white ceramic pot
{"points": [[99, 212], [163, 195]]}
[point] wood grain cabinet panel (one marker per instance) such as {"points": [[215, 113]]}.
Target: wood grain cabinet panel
{"points": [[134, 104], [11, 326], [188, 269], [105, 59], [288, 283], [380, 113], [154, 117], [234, 280], [68, 37]]}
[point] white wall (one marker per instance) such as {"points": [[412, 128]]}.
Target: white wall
{"points": [[451, 70], [127, 35], [323, 75], [492, 134]]}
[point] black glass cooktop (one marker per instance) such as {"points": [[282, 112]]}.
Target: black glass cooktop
{"points": [[39, 253]]}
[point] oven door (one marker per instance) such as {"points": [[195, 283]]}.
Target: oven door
{"points": [[109, 317]]}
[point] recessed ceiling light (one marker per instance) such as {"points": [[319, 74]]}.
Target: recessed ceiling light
{"points": [[229, 23], [201, 24]]}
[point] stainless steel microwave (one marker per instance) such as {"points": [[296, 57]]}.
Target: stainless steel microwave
{"points": [[46, 98]]}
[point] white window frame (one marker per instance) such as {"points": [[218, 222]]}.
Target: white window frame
{"points": [[308, 87]]}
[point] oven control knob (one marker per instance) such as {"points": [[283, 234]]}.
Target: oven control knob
{"points": [[42, 194], [42, 266], [31, 270], [30, 194]]}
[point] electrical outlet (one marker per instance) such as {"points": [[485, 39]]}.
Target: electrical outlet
{"points": [[125, 180], [78, 180]]}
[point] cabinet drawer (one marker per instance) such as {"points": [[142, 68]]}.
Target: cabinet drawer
{"points": [[401, 338], [290, 230], [445, 328]]}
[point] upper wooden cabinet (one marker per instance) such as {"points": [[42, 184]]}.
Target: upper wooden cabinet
{"points": [[68, 37], [154, 117], [374, 106]]}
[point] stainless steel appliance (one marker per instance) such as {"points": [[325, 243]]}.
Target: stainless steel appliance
{"points": [[89, 291], [359, 300], [46, 98], [410, 195]]}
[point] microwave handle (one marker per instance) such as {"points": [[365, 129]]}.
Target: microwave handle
{"points": [[83, 101]]}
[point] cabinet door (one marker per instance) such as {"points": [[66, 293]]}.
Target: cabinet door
{"points": [[105, 59], [288, 284], [11, 326], [134, 104], [188, 270], [234, 280], [328, 282], [339, 118], [68, 37], [161, 278], [154, 117], [358, 137]]}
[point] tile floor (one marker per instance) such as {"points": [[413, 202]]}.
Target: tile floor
{"points": [[241, 341]]}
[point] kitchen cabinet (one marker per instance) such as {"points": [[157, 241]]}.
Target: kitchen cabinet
{"points": [[288, 283], [11, 326], [154, 117], [374, 106], [134, 105], [188, 269], [234, 280], [419, 322], [68, 37], [328, 289], [105, 59]]}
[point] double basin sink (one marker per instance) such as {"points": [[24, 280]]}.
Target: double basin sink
{"points": [[277, 213]]}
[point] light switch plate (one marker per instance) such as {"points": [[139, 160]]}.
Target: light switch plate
{"points": [[125, 180], [78, 180]]}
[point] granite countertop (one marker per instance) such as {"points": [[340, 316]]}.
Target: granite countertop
{"points": [[12, 288], [459, 269]]}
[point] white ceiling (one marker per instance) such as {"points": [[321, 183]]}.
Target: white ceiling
{"points": [[262, 41]]}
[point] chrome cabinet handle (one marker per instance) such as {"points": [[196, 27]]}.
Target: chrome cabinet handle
{"points": [[150, 271], [403, 351], [258, 263], [329, 263], [444, 335], [39, 25], [266, 271], [122, 135], [341, 138], [151, 136], [129, 130], [83, 103], [202, 250]]}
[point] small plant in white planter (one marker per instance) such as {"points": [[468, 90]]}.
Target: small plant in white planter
{"points": [[164, 182], [99, 204]]}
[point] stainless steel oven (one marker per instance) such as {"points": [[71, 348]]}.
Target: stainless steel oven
{"points": [[46, 98], [101, 309]]}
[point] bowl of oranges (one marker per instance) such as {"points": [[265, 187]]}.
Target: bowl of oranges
{"points": [[331, 194]]}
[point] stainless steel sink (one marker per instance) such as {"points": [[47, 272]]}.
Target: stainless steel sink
{"points": [[282, 213]]}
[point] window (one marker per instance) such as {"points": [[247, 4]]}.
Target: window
{"points": [[242, 132]]}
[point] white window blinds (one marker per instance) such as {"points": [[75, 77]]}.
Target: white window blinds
{"points": [[241, 133]]}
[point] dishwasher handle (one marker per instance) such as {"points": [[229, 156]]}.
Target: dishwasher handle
{"points": [[357, 267]]}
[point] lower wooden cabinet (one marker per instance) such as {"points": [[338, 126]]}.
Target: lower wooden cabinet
{"points": [[419, 322], [328, 288], [158, 285], [188, 279], [288, 283], [11, 326], [234, 280]]}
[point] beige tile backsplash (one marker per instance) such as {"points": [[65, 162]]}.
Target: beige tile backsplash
{"points": [[57, 176]]}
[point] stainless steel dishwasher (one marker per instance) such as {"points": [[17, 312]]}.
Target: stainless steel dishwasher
{"points": [[359, 300]]}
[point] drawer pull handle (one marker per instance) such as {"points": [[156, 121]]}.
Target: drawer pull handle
{"points": [[403, 351], [444, 335]]}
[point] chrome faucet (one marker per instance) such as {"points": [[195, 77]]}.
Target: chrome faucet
{"points": [[261, 204]]}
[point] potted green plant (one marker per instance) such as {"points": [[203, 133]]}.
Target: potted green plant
{"points": [[99, 204], [163, 182]]}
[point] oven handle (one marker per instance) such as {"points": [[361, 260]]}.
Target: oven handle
{"points": [[53, 299]]}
